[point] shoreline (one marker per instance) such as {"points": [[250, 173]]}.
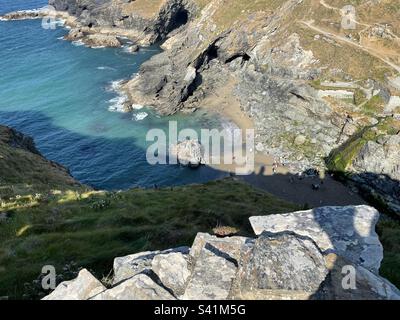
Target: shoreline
{"points": [[223, 103], [227, 106]]}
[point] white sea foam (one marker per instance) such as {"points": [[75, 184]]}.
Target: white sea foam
{"points": [[78, 43], [117, 104], [115, 85], [105, 68], [139, 116], [137, 107]]}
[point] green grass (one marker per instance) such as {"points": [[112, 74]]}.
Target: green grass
{"points": [[23, 173], [374, 106], [92, 235], [389, 234], [341, 158]]}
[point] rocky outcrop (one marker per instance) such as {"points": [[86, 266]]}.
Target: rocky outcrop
{"points": [[84, 287], [380, 157], [145, 23], [23, 168], [301, 255], [270, 59], [189, 153], [17, 139], [333, 229], [98, 40]]}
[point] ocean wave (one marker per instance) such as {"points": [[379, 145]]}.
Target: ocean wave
{"points": [[78, 43], [118, 104], [114, 86], [105, 68], [140, 116], [137, 107]]}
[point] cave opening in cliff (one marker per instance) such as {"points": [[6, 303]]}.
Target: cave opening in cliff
{"points": [[180, 19]]}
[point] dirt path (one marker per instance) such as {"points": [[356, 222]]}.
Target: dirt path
{"points": [[370, 51]]}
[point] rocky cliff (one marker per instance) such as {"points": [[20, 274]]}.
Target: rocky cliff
{"points": [[302, 255], [308, 81], [23, 170]]}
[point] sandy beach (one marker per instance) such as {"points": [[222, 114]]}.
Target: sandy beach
{"points": [[315, 191]]}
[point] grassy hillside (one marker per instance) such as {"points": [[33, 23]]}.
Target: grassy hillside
{"points": [[92, 228], [24, 172]]}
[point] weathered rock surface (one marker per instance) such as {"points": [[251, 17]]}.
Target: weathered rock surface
{"points": [[381, 157], [280, 265], [306, 258], [99, 40], [84, 287], [173, 271], [139, 287], [347, 231], [215, 266], [189, 153], [128, 266], [367, 285]]}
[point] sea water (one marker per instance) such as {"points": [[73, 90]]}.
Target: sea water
{"points": [[65, 96]]}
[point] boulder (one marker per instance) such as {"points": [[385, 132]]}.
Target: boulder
{"points": [[215, 265], [133, 48], [189, 153], [280, 266], [128, 266], [348, 231], [139, 287], [74, 34], [101, 40], [368, 285], [173, 271], [381, 157], [84, 287]]}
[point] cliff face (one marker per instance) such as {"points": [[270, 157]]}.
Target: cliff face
{"points": [[311, 76], [147, 21], [309, 84], [23, 170]]}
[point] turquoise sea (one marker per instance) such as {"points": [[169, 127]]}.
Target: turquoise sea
{"points": [[62, 95]]}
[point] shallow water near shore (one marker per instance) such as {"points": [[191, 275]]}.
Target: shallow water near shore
{"points": [[63, 95]]}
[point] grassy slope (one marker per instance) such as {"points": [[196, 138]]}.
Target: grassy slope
{"points": [[25, 173]]}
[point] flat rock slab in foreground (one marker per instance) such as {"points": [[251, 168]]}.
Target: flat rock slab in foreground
{"points": [[347, 231]]}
